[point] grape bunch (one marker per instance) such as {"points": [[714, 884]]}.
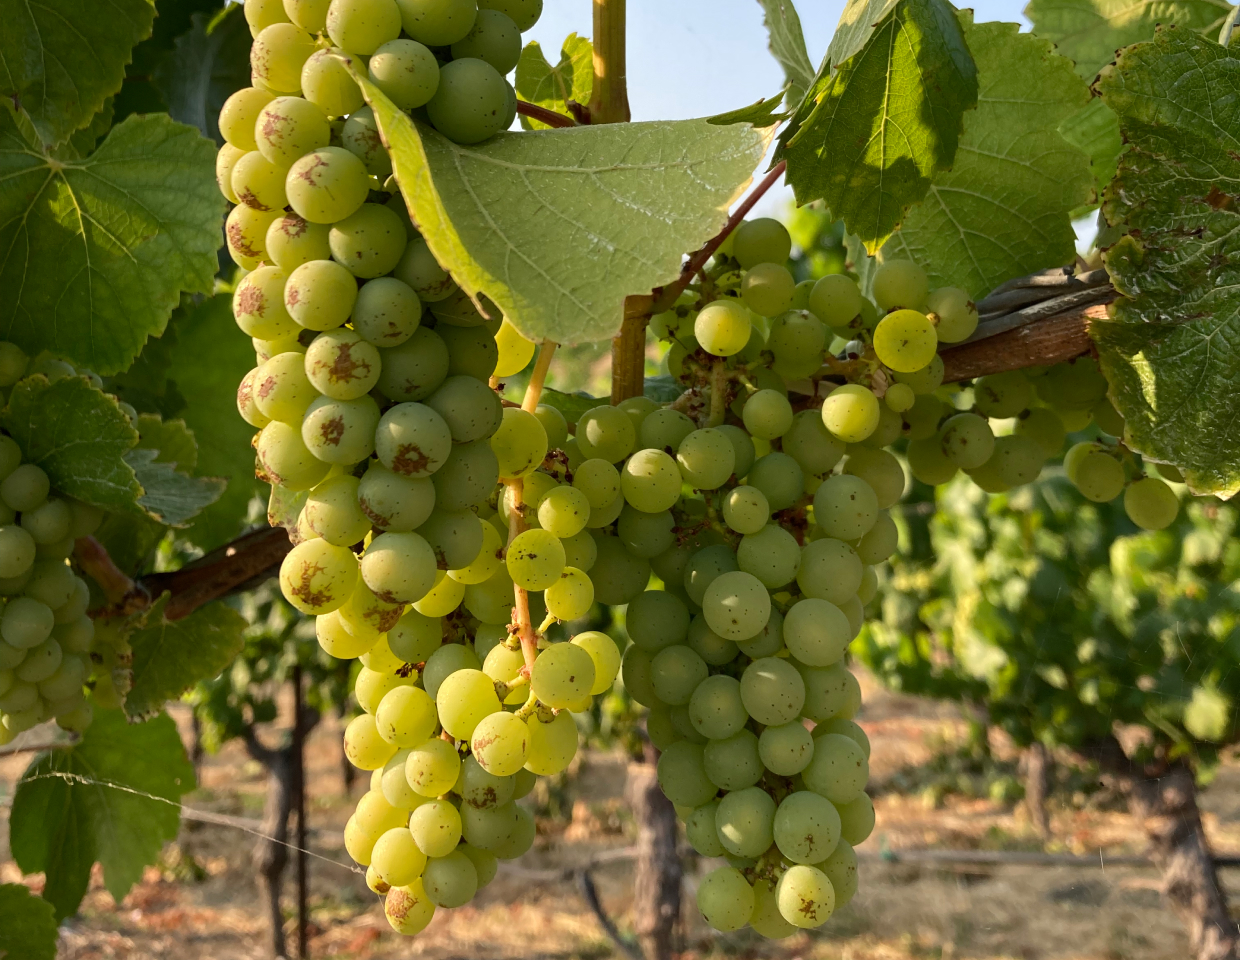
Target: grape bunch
{"points": [[46, 636]]}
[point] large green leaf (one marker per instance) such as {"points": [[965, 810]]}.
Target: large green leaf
{"points": [[27, 925], [1090, 32], [207, 64], [887, 121], [787, 43], [557, 227], [170, 657], [60, 61], [1004, 209], [94, 253], [208, 361], [552, 87], [1170, 348], [79, 436], [114, 798], [170, 495]]}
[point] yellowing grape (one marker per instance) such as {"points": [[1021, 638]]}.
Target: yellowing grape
{"points": [[905, 340]]}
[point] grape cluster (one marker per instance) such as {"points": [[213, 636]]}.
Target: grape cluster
{"points": [[45, 634]]}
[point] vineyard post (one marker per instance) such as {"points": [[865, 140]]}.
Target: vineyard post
{"points": [[299, 795]]}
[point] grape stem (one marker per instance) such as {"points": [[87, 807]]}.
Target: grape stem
{"points": [[94, 559], [718, 393], [542, 114], [538, 379]]}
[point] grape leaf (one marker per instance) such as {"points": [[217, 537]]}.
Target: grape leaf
{"points": [[85, 139], [886, 121], [761, 114], [1003, 210], [172, 440], [170, 495], [1169, 347], [1095, 132], [787, 45], [78, 435], [208, 361], [207, 64], [572, 405], [113, 797], [1089, 32], [546, 86], [97, 251], [61, 61], [557, 227], [170, 657], [27, 925]]}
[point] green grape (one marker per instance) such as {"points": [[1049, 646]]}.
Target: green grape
{"points": [[682, 775], [524, 13], [320, 294], [708, 645], [263, 13], [406, 71], [605, 433], [432, 767], [900, 283], [487, 827], [493, 38], [736, 605], [76, 636], [53, 583], [258, 305], [482, 790], [657, 620], [921, 420], [472, 351], [563, 511], [470, 103], [26, 623], [797, 340], [310, 15], [239, 114], [733, 763], [570, 597], [1043, 427], [363, 747], [841, 869], [899, 397], [341, 365], [409, 909], [325, 81], [1075, 385], [1151, 504], [637, 409], [470, 408], [361, 138], [856, 819], [438, 23], [365, 615], [284, 129], [327, 185], [845, 507], [245, 231], [890, 428], [715, 707], [742, 448], [805, 896], [65, 682], [605, 655], [49, 522], [415, 369], [520, 444], [341, 431], [362, 26], [772, 555], [1099, 476], [880, 541], [451, 880], [419, 269], [650, 481], [399, 567], [763, 240], [386, 313], [767, 643], [905, 340], [780, 478], [839, 768], [371, 686], [282, 391], [766, 919], [767, 414], [772, 691], [444, 662], [292, 241], [556, 426], [768, 289], [745, 822], [467, 476], [850, 413], [396, 857], [954, 315], [412, 440], [278, 54], [333, 513], [807, 827], [552, 745], [486, 562], [520, 837], [646, 535], [786, 749], [707, 458], [258, 183], [704, 567], [810, 444], [700, 830], [830, 570], [491, 601], [835, 300], [436, 827], [1002, 395], [745, 509], [535, 559], [846, 728], [926, 380], [369, 242], [393, 502], [13, 362], [722, 328], [675, 673], [285, 458], [406, 716], [967, 440], [317, 577], [504, 663], [618, 575], [1016, 461], [881, 471], [442, 598], [500, 743], [1108, 418], [817, 632]]}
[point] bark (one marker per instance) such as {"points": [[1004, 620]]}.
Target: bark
{"points": [[656, 883], [1036, 767], [1163, 799]]}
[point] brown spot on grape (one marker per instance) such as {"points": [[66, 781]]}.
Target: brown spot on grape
{"points": [[304, 589], [293, 226], [250, 200], [307, 173], [292, 296], [345, 367], [332, 430], [266, 387], [382, 620], [245, 393], [251, 300], [240, 242], [410, 460], [375, 517]]}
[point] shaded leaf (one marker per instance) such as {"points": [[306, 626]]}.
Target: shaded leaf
{"points": [[113, 797], [557, 227], [171, 439], [546, 86], [169, 496], [887, 121], [170, 657], [1095, 132], [61, 61], [572, 405], [97, 251], [1169, 347], [1004, 209], [787, 46], [85, 139], [207, 64], [27, 925], [662, 389]]}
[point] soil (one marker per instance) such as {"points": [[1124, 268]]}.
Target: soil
{"points": [[201, 901]]}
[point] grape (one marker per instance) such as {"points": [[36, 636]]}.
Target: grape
{"points": [[524, 13], [363, 747], [736, 605], [472, 351], [310, 15], [839, 768], [786, 749], [905, 340], [835, 300], [708, 645], [772, 691], [880, 542], [553, 422], [470, 408], [53, 583], [408, 909], [605, 433], [766, 919], [341, 431], [605, 655], [470, 103], [665, 429], [263, 13], [436, 827], [1099, 476], [491, 600], [26, 623], [445, 661], [767, 414], [676, 673], [488, 559], [715, 707], [704, 567], [278, 54], [333, 513], [13, 362], [817, 632], [807, 827], [386, 312], [406, 71], [899, 397], [396, 857], [258, 305], [810, 444], [444, 597], [1043, 427], [552, 745], [967, 440], [768, 289], [846, 728], [900, 283], [772, 555], [327, 185], [926, 380], [845, 507], [535, 559], [258, 183], [361, 138], [514, 355], [570, 597], [797, 340], [1151, 504], [881, 471], [805, 896], [1017, 460], [650, 481], [707, 458], [722, 328], [48, 523], [483, 790], [450, 881], [239, 114], [683, 776], [369, 242], [362, 26], [921, 420], [467, 476], [341, 365], [763, 240], [336, 641], [244, 232], [520, 444], [725, 899], [412, 440], [745, 821], [733, 763], [282, 391], [850, 413], [371, 686], [780, 479], [320, 294], [64, 683], [1002, 395], [645, 535], [317, 577], [406, 716], [413, 370], [493, 38], [285, 458], [856, 819], [394, 502], [746, 510], [563, 675], [618, 575], [501, 743], [841, 869], [438, 23], [399, 567], [284, 129], [657, 620], [326, 81], [953, 313], [1108, 419], [419, 269], [432, 767], [563, 512]]}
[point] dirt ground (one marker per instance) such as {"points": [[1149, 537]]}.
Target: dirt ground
{"points": [[201, 902]]}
